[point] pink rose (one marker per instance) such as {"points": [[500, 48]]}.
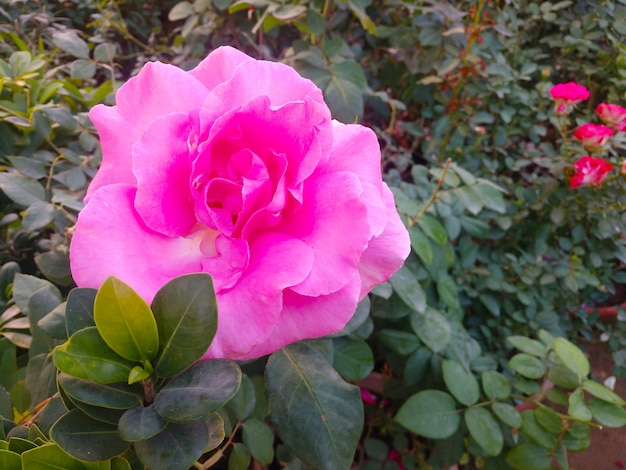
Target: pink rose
{"points": [[235, 168], [566, 95], [593, 136], [589, 171], [612, 115]]}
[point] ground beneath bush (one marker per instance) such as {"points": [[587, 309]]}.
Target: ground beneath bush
{"points": [[608, 446]]}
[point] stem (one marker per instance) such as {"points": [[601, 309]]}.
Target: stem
{"points": [[561, 415], [220, 453], [148, 390], [433, 197]]}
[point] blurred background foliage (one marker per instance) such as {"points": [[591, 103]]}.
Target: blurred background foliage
{"points": [[457, 93]]}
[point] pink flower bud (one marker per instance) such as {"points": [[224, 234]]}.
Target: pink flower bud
{"points": [[593, 136], [566, 95], [368, 397], [611, 114], [589, 171]]}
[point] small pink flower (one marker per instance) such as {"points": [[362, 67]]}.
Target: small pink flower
{"points": [[612, 115], [368, 397], [395, 456], [567, 95], [589, 171], [593, 136]]}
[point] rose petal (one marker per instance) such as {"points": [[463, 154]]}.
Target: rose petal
{"points": [[161, 166], [111, 239], [140, 101], [228, 263], [219, 66], [249, 311]]}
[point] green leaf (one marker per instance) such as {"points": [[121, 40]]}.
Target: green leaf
{"points": [[198, 391], [50, 457], [79, 309], [531, 429], [470, 199], [6, 406], [432, 328], [140, 423], [40, 303], [177, 446], [484, 429], [353, 359], [507, 414], [10, 460], [528, 366], [430, 413], [258, 437], [577, 408], [316, 413], [185, 310], [117, 396], [448, 292], [70, 42], [344, 98], [86, 356], [241, 406], [421, 245], [491, 197], [433, 228], [82, 69], [40, 378], [24, 286], [180, 11], [87, 439], [53, 324], [562, 376], [528, 345], [39, 214], [495, 385], [21, 190], [604, 393], [607, 414], [240, 458], [105, 52], [460, 382], [409, 289], [529, 456], [548, 419], [573, 358], [125, 321]]}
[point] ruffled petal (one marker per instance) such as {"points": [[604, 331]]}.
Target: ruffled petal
{"points": [[111, 239], [248, 312], [219, 66], [161, 166], [140, 101]]}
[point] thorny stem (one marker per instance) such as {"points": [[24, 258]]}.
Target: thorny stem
{"points": [[220, 453], [433, 197]]}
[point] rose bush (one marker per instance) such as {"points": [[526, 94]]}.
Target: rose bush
{"points": [[236, 168]]}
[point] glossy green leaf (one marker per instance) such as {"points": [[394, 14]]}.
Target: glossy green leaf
{"points": [[495, 385], [20, 445], [86, 356], [40, 378], [460, 382], [606, 413], [241, 406], [484, 429], [10, 460], [507, 414], [409, 289], [141, 422], [430, 413], [198, 391], [38, 214], [258, 437], [577, 407], [529, 456], [50, 457], [117, 396], [53, 323], [40, 303], [433, 228], [528, 345], [602, 392], [87, 439], [79, 309], [177, 446], [573, 358], [432, 328], [527, 366], [125, 321], [316, 414], [215, 424], [421, 244], [239, 458], [185, 310], [22, 190], [106, 415], [353, 359]]}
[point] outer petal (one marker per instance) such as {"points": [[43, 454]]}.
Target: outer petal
{"points": [[248, 312], [157, 90], [219, 66], [161, 166], [385, 253], [111, 239], [310, 317]]}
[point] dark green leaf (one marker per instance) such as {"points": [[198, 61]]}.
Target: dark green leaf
{"points": [[433, 228], [602, 392], [258, 437], [577, 407], [39, 214], [573, 358], [484, 429], [527, 366], [354, 360], [239, 459], [79, 309], [55, 266], [198, 391], [495, 385], [421, 244], [40, 378], [104, 52], [531, 429], [317, 414], [432, 328], [607, 414], [88, 357], [529, 456], [69, 41], [241, 406], [53, 324], [185, 310], [409, 289], [141, 423], [22, 190], [177, 446], [430, 413], [528, 345], [117, 396], [24, 286], [460, 382], [87, 439], [6, 406], [40, 303], [507, 414], [548, 419], [125, 321]]}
